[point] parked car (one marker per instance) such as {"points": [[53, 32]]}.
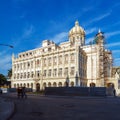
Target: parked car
{"points": [[4, 90]]}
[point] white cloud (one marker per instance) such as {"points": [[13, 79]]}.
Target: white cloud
{"points": [[91, 30], [86, 9], [112, 34], [5, 61], [60, 37], [89, 40], [101, 17], [117, 61], [113, 44], [28, 32], [115, 51], [2, 53], [98, 18]]}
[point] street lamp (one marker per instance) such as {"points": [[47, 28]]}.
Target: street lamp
{"points": [[7, 45]]}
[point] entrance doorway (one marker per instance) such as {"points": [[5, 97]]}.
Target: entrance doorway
{"points": [[92, 84], [110, 85], [37, 87]]}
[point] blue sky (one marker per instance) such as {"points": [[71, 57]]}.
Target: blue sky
{"points": [[25, 23]]}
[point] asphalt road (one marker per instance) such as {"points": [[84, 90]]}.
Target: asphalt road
{"points": [[37, 107]]}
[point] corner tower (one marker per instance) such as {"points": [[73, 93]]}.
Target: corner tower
{"points": [[77, 35]]}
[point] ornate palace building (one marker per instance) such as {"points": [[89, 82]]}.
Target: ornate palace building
{"points": [[70, 63]]}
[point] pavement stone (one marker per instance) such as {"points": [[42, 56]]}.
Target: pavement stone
{"points": [[6, 109], [40, 107]]}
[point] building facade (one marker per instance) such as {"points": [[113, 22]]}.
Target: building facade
{"points": [[70, 63]]}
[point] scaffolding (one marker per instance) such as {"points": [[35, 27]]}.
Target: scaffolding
{"points": [[103, 59], [100, 41]]}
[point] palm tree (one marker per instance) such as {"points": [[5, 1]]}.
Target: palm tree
{"points": [[2, 79], [9, 73]]}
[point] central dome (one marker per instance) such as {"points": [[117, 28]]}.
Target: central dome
{"points": [[77, 29]]}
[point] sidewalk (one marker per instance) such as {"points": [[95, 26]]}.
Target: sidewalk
{"points": [[6, 109]]}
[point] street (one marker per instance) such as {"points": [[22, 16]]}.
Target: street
{"points": [[37, 107]]}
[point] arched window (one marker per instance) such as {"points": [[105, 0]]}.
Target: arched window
{"points": [[24, 85], [49, 84], [21, 85], [17, 85], [44, 85], [54, 84], [37, 87], [72, 84], [60, 84], [14, 85], [27, 85], [31, 85]]}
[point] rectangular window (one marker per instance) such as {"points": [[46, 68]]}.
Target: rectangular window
{"points": [[38, 73], [54, 72], [45, 61], [45, 73], [32, 74], [60, 59], [60, 72], [49, 61], [66, 71], [72, 57], [66, 58], [55, 60], [49, 73], [72, 70]]}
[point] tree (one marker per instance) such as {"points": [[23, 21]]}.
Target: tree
{"points": [[9, 73], [3, 79]]}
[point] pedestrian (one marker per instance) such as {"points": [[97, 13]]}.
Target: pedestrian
{"points": [[19, 92], [114, 92], [24, 92]]}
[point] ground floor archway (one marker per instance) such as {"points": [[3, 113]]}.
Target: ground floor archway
{"points": [[37, 87], [110, 85], [92, 84]]}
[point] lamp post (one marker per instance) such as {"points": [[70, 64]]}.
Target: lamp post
{"points": [[7, 45]]}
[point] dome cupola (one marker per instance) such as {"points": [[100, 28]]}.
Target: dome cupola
{"points": [[77, 29], [77, 34]]}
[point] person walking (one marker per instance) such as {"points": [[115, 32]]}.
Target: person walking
{"points": [[19, 92], [114, 92], [24, 92]]}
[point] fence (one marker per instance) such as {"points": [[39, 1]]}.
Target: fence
{"points": [[76, 91]]}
